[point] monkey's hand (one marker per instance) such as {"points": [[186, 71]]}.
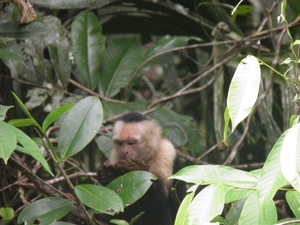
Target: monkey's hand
{"points": [[107, 173], [125, 166]]}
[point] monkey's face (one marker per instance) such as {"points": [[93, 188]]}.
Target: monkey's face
{"points": [[127, 141]]}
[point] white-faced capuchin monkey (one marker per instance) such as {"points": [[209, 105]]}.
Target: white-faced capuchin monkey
{"points": [[138, 145]]}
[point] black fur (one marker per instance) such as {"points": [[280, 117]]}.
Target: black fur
{"points": [[133, 117]]}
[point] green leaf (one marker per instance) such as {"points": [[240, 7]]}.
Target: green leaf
{"points": [[31, 148], [20, 31], [120, 59], [47, 210], [226, 123], [89, 43], [54, 115], [8, 141], [293, 199], [22, 106], [233, 215], [66, 4], [182, 214], [175, 134], [7, 213], [59, 56], [290, 156], [252, 213], [99, 198], [22, 122], [3, 111], [118, 222], [80, 126], [105, 145], [216, 174], [62, 223], [206, 205], [243, 90], [132, 186], [235, 194], [271, 178], [7, 55]]}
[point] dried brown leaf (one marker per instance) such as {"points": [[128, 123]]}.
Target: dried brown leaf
{"points": [[27, 12]]}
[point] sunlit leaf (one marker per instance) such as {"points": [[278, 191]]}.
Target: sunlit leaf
{"points": [[206, 205], [243, 90], [182, 214], [80, 126], [290, 156], [216, 174], [252, 213], [293, 199], [99, 198], [46, 210], [271, 178]]}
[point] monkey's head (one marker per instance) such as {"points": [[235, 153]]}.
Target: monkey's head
{"points": [[135, 137]]}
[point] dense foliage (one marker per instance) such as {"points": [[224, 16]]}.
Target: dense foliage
{"points": [[223, 86]]}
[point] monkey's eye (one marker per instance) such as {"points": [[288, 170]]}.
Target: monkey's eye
{"points": [[131, 142], [118, 142]]}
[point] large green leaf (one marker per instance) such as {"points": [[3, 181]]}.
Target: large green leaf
{"points": [[8, 141], [99, 198], [252, 213], [243, 90], [216, 174], [80, 126], [31, 148], [290, 156], [20, 31], [120, 59], [271, 178], [206, 205], [46, 210], [132, 186], [88, 44]]}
